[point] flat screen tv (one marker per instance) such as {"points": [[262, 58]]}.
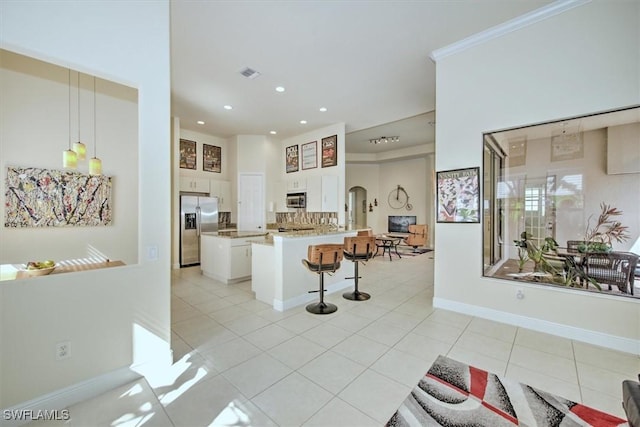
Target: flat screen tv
{"points": [[400, 223]]}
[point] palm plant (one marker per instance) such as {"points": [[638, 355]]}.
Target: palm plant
{"points": [[599, 237]]}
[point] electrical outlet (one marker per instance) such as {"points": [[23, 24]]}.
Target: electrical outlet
{"points": [[63, 350]]}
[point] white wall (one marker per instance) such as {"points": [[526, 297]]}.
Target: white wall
{"points": [[581, 61], [338, 170], [203, 138], [367, 176], [115, 317], [379, 179], [35, 131]]}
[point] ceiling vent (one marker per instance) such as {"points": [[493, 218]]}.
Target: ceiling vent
{"points": [[249, 73]]}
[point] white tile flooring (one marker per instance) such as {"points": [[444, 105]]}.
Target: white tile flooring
{"points": [[239, 362]]}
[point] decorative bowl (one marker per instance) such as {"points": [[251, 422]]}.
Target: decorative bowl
{"points": [[38, 271]]}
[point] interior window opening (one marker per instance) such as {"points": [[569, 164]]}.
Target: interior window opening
{"points": [[560, 206]]}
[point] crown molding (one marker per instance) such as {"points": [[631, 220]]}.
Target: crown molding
{"points": [[500, 30]]}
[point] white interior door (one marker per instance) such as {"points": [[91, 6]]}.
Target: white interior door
{"points": [[251, 209]]}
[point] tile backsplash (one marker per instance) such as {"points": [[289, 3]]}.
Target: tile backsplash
{"points": [[224, 218], [315, 218]]}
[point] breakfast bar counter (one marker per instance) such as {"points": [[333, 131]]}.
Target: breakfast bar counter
{"points": [[278, 275]]}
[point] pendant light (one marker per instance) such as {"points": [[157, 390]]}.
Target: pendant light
{"points": [[79, 147], [95, 164], [69, 157]]}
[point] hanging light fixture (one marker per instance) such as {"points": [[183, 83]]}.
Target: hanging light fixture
{"points": [[95, 164], [79, 147], [69, 157]]}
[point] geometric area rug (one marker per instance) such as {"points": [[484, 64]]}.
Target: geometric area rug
{"points": [[455, 394]]}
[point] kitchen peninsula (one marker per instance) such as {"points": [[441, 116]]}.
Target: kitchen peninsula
{"points": [[226, 255], [278, 276]]}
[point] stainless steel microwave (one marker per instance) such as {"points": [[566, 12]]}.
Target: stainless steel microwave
{"points": [[296, 200]]}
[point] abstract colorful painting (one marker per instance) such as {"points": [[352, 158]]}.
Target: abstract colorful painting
{"points": [[54, 198], [458, 196]]}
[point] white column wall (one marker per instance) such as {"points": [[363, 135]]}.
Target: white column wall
{"points": [[117, 317], [584, 60]]}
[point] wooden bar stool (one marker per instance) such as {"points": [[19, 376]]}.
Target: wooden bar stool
{"points": [[358, 249], [323, 258]]}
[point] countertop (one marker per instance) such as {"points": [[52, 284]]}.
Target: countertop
{"points": [[268, 239], [233, 234]]}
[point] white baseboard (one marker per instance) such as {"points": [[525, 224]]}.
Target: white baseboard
{"points": [[626, 345], [63, 398], [305, 298]]}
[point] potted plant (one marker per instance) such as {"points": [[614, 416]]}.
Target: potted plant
{"points": [[598, 238], [523, 256], [542, 256]]}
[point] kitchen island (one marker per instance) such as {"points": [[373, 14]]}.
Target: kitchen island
{"points": [[226, 255], [278, 276]]}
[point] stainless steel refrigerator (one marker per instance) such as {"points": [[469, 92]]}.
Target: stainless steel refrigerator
{"points": [[198, 215]]}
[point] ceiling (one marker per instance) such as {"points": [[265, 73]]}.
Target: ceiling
{"points": [[366, 62]]}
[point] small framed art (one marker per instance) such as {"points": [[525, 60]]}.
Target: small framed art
{"points": [[292, 158], [187, 154], [211, 158], [330, 151], [310, 155]]}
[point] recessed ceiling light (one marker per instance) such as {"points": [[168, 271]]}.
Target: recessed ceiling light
{"points": [[228, 107], [323, 109], [303, 122], [200, 122], [273, 132], [279, 89]]}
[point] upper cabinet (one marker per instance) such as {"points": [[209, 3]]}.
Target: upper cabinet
{"points": [[194, 185], [221, 190], [297, 184], [329, 193], [322, 193], [314, 194]]}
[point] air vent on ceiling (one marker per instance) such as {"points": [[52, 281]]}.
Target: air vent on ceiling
{"points": [[249, 73]]}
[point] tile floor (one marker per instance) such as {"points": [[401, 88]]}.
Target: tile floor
{"points": [[239, 362]]}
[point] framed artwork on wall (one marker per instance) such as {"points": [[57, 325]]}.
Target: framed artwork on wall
{"points": [[458, 195], [187, 154], [310, 155], [330, 151], [291, 158], [211, 158], [60, 199]]}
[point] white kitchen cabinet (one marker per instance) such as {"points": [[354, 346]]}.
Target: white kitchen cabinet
{"points": [[240, 261], [314, 194], [194, 185], [296, 184], [221, 190], [329, 197], [225, 259]]}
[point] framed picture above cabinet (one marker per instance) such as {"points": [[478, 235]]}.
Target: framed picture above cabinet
{"points": [[211, 158], [310, 155], [187, 154], [329, 151], [291, 158]]}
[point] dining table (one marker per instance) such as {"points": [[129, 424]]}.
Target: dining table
{"points": [[387, 243]]}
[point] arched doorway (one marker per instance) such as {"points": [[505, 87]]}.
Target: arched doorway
{"points": [[357, 207]]}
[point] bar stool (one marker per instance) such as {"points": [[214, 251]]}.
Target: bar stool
{"points": [[358, 249], [323, 258]]}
